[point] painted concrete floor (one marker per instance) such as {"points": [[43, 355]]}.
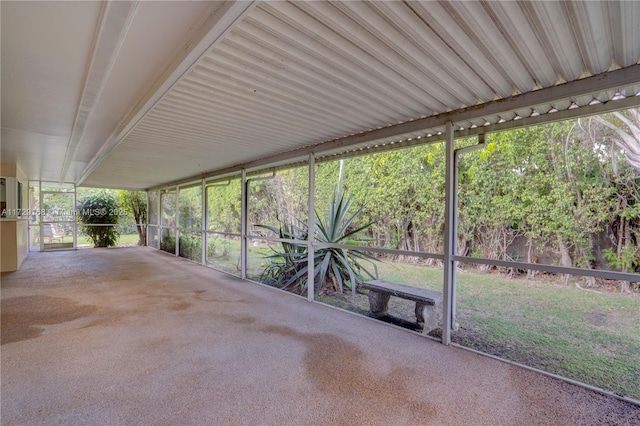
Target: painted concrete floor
{"points": [[134, 336]]}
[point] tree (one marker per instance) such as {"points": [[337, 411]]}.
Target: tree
{"points": [[99, 214], [624, 130], [135, 202], [282, 196], [224, 205], [402, 192], [190, 222], [544, 183], [621, 130]]}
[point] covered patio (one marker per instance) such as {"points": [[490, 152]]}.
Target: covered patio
{"points": [[187, 98], [131, 336]]}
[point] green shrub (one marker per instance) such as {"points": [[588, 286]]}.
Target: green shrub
{"points": [[191, 247], [94, 213], [168, 242]]}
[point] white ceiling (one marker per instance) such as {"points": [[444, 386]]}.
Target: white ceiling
{"points": [[72, 71], [134, 95]]}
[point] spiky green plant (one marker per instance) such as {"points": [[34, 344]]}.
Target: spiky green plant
{"points": [[334, 267], [286, 266]]}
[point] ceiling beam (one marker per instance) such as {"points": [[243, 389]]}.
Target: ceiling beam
{"points": [[115, 21], [222, 19]]}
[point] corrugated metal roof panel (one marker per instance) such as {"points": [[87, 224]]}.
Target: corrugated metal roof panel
{"points": [[295, 74]]}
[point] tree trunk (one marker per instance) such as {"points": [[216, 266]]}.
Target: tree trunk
{"points": [[565, 257], [626, 285], [531, 273], [140, 216], [142, 235]]}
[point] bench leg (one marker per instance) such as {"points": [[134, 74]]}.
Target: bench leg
{"points": [[427, 315], [378, 303]]}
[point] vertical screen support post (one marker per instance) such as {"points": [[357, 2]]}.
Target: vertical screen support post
{"points": [[244, 249], [449, 235], [311, 226]]}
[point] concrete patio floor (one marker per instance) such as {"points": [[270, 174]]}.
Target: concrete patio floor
{"points": [[135, 336]]}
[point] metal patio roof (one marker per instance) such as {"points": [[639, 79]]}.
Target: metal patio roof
{"points": [[266, 82]]}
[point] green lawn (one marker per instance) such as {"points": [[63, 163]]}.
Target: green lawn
{"points": [[123, 241], [586, 336]]}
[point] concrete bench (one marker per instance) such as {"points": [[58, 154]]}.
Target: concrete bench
{"points": [[427, 301]]}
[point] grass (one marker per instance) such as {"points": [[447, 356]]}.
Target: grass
{"points": [[124, 240], [586, 336], [224, 254]]}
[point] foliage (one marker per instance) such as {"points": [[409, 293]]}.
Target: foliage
{"points": [[561, 191], [100, 209], [168, 208], [190, 208], [218, 247], [280, 196], [135, 203], [408, 188], [333, 267], [224, 206], [626, 260], [152, 208], [168, 241], [624, 132], [190, 246]]}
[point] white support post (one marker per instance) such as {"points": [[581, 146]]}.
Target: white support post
{"points": [[40, 207], [176, 228], [146, 228], [244, 248], [75, 218], [454, 246], [449, 237], [311, 226], [456, 160], [203, 223], [159, 217]]}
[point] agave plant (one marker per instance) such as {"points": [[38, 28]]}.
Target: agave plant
{"points": [[286, 266], [334, 267]]}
